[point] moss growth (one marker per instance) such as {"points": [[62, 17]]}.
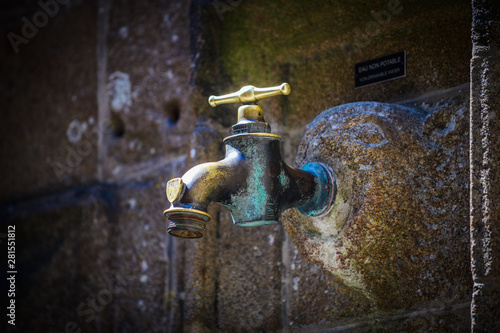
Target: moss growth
{"points": [[314, 46]]}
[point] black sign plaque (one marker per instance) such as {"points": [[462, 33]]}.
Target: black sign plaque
{"points": [[378, 70]]}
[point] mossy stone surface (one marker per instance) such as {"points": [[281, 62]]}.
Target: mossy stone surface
{"points": [[314, 46]]}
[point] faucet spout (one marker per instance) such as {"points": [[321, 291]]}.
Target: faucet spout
{"points": [[252, 182], [191, 194], [212, 181]]}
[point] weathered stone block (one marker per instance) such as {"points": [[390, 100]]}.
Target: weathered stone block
{"points": [[98, 258], [49, 111], [316, 298], [249, 277], [147, 80], [315, 45], [399, 223], [63, 259]]}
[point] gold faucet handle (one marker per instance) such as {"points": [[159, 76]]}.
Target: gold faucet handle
{"points": [[249, 94]]}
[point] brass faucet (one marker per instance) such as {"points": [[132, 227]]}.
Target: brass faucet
{"points": [[252, 181]]}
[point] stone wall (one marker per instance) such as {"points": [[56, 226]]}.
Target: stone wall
{"points": [[105, 101], [485, 167]]}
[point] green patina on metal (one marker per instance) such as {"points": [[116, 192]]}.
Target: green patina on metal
{"points": [[252, 181], [248, 206]]}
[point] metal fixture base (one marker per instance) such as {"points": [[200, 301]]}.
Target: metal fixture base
{"points": [[186, 222], [326, 191]]}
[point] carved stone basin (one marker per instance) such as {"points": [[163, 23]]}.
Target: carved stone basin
{"points": [[400, 220]]}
